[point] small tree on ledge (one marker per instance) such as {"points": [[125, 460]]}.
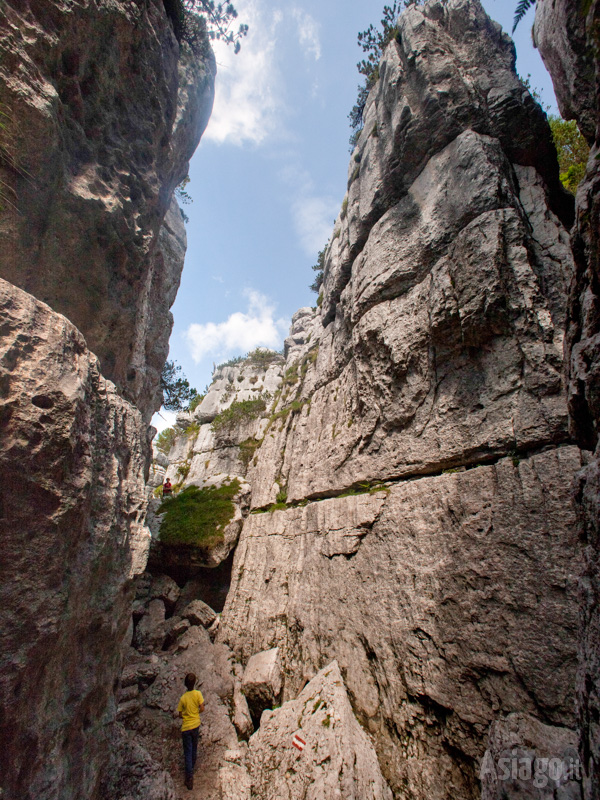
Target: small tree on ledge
{"points": [[177, 393]]}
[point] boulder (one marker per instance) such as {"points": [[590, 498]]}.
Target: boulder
{"points": [[199, 613], [166, 589], [173, 628], [262, 681], [241, 714]]}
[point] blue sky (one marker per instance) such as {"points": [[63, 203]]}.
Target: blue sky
{"points": [[270, 173]]}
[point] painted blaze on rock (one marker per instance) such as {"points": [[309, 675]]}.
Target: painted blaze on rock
{"points": [[337, 760]]}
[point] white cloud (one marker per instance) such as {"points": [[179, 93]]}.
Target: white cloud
{"points": [[312, 214], [313, 220], [308, 33], [241, 332], [248, 87]]}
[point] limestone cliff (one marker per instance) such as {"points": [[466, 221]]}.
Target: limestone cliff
{"points": [[409, 513], [102, 108], [567, 36]]}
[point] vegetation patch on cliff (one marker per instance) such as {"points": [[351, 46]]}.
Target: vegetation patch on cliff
{"points": [[247, 450], [259, 357], [198, 516], [240, 411]]}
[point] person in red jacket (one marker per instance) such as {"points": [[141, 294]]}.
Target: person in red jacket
{"points": [[167, 488], [191, 705]]}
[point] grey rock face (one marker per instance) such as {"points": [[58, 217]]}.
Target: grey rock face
{"points": [[444, 345], [101, 145], [529, 760], [73, 502], [337, 761], [213, 456], [133, 774], [104, 111], [446, 601], [148, 633], [451, 70], [567, 38], [241, 714], [165, 589], [561, 33]]}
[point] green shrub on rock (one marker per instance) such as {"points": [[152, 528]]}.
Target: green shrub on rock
{"points": [[240, 411], [247, 450]]}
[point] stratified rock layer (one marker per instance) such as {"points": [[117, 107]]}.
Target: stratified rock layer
{"points": [[443, 294], [104, 111], [72, 459], [567, 36]]}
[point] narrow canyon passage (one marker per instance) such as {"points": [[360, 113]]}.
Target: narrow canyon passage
{"points": [[378, 548]]}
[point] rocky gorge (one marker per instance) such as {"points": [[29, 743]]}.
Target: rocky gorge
{"points": [[402, 595]]}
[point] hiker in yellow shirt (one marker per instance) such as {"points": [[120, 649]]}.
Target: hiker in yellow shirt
{"points": [[191, 705]]}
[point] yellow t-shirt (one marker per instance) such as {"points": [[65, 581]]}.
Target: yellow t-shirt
{"points": [[189, 707]]}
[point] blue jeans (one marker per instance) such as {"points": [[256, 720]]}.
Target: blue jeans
{"points": [[190, 748]]}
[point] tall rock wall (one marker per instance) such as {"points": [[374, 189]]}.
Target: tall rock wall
{"points": [[409, 480], [72, 526], [567, 36], [101, 111]]}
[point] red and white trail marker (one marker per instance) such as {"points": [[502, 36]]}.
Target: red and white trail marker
{"points": [[298, 742]]}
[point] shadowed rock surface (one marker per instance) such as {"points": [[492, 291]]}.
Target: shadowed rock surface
{"points": [[107, 110], [567, 37], [72, 461]]}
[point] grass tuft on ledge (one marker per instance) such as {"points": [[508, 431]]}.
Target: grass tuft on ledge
{"points": [[198, 516]]}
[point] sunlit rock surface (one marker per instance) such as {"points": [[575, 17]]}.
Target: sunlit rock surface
{"points": [[410, 512]]}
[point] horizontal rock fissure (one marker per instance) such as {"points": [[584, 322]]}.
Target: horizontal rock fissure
{"points": [[384, 484]]}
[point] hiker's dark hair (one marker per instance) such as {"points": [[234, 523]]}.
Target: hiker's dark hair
{"points": [[190, 681]]}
